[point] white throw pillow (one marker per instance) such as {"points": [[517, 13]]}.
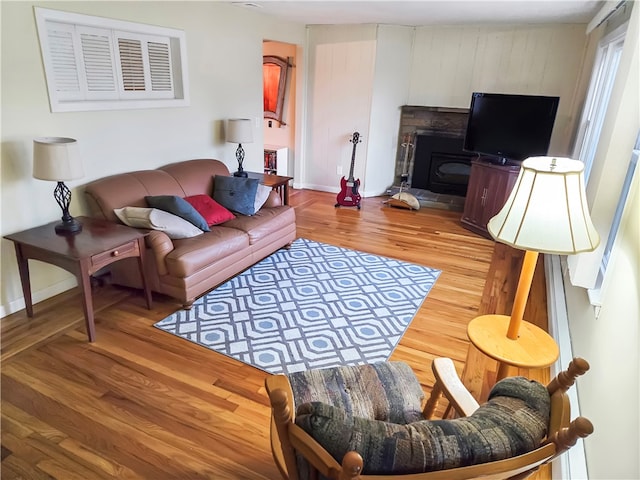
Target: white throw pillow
{"points": [[155, 219], [262, 193]]}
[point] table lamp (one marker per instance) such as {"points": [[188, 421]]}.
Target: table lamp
{"points": [[57, 159], [546, 212], [239, 131]]}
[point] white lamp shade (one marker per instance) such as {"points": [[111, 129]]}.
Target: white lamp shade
{"points": [[57, 159], [547, 209], [239, 130]]}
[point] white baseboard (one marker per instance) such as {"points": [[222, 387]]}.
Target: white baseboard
{"points": [[38, 296], [572, 465]]}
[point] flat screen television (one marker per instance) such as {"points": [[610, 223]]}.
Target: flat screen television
{"points": [[510, 127]]}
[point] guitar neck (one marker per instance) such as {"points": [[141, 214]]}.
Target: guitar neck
{"points": [[355, 139]]}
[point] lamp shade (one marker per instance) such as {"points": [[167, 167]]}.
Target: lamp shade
{"points": [[547, 209], [57, 159], [239, 130]]}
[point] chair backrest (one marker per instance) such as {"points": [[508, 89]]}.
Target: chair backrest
{"points": [[288, 440]]}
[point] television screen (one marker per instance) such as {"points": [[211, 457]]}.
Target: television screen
{"points": [[511, 127]]}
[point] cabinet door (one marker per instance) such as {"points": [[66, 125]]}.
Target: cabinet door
{"points": [[489, 187], [476, 195], [499, 186]]}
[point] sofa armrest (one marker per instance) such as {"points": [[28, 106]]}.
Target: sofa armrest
{"points": [[161, 245], [273, 200]]}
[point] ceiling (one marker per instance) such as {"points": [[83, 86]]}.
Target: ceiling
{"points": [[427, 12]]}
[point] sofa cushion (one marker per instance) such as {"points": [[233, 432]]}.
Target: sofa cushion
{"points": [[265, 222], [178, 206], [196, 176], [211, 211], [128, 190], [191, 255], [156, 219], [236, 193], [514, 421]]}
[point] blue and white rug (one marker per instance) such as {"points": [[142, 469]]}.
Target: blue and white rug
{"points": [[311, 306]]}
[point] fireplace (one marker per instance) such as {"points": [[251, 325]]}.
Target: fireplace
{"points": [[430, 155], [440, 165]]}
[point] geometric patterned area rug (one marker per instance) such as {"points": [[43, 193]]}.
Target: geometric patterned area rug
{"points": [[313, 305]]}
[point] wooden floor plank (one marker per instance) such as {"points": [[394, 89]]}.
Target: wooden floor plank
{"points": [[142, 403]]}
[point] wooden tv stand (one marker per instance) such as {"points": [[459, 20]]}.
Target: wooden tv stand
{"points": [[490, 184]]}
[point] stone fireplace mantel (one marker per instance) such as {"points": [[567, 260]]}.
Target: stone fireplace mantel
{"points": [[421, 120]]}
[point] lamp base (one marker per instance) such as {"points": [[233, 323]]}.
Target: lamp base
{"points": [[68, 227], [534, 348], [240, 173]]}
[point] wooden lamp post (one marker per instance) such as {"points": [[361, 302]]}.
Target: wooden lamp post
{"points": [[546, 212]]}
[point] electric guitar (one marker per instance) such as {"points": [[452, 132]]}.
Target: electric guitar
{"points": [[349, 196]]}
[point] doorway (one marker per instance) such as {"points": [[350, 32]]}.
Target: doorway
{"points": [[280, 135]]}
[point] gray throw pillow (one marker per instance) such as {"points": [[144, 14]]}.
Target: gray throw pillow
{"points": [[180, 207], [236, 193]]}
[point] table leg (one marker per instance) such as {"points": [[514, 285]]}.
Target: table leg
{"points": [[23, 269], [141, 263], [503, 371], [84, 282], [286, 192]]}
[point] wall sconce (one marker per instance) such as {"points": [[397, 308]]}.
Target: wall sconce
{"points": [[57, 159]]}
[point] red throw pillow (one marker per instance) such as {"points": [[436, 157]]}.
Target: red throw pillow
{"points": [[211, 211]]}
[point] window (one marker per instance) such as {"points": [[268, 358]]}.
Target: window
{"points": [[602, 78], [594, 293], [94, 63]]}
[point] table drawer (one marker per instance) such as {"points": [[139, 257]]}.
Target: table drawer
{"points": [[129, 249]]}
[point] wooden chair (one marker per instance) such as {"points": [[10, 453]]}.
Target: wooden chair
{"points": [[289, 440]]}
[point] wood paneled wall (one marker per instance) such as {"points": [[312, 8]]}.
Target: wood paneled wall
{"points": [[447, 64], [451, 62]]}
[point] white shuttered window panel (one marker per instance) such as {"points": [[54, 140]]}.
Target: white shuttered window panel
{"points": [[160, 65], [131, 64], [95, 63], [63, 61], [97, 56], [144, 65]]}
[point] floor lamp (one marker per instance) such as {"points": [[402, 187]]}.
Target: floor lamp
{"points": [[546, 212]]}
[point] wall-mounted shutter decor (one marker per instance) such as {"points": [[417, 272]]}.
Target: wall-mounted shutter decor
{"points": [[94, 63]]}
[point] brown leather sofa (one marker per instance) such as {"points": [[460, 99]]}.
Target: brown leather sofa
{"points": [[187, 268]]}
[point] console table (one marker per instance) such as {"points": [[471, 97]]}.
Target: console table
{"points": [[99, 244], [279, 183]]}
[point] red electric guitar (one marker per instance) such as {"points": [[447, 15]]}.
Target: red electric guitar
{"points": [[349, 196]]}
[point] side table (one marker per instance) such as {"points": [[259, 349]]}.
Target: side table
{"points": [[99, 244], [279, 183], [533, 348]]}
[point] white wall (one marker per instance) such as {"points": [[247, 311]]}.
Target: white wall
{"points": [[341, 67], [390, 88], [224, 51], [609, 392]]}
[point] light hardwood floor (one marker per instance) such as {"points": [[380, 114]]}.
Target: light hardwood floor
{"points": [[140, 403]]}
